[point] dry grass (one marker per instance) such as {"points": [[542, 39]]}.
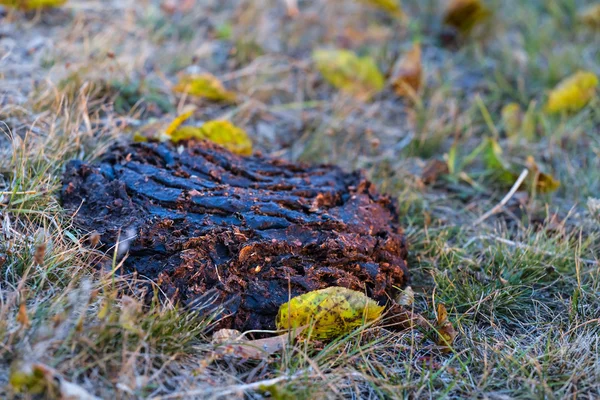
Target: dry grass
{"points": [[522, 288]]}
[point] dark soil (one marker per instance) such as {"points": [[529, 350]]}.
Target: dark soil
{"points": [[251, 231]]}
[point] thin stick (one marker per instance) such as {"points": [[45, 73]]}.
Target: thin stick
{"points": [[26, 192], [231, 390], [498, 207]]}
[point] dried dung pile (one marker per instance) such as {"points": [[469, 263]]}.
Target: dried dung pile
{"points": [[253, 231]]}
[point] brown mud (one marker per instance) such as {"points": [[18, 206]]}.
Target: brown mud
{"points": [[250, 231]]}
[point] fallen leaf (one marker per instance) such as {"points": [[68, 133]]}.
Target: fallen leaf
{"points": [[22, 317], [407, 75], [505, 173], [544, 183], [357, 76], [572, 93], [530, 122], [591, 16], [406, 297], [232, 342], [128, 318], [444, 329], [433, 170], [225, 335], [40, 252], [464, 15], [330, 312], [206, 86], [32, 4], [26, 378], [177, 122], [390, 6], [512, 117], [105, 308], [39, 379], [156, 130], [400, 318], [223, 133], [499, 169]]}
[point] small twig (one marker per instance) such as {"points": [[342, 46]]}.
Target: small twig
{"points": [[25, 192], [591, 321], [498, 207], [206, 392]]}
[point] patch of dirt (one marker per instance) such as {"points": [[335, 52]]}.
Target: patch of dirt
{"points": [[251, 231]]}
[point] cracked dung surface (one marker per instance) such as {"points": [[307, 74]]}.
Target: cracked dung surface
{"points": [[249, 230]]}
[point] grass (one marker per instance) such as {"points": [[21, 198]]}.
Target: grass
{"points": [[522, 288]]}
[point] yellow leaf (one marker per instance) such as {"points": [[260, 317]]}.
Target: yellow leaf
{"points": [[332, 312], [464, 15], [176, 123], [206, 86], [390, 6], [163, 129], [32, 4], [572, 93], [441, 314], [104, 308], [591, 16], [444, 329], [408, 73], [511, 118], [544, 183], [223, 133], [138, 137], [357, 76]]}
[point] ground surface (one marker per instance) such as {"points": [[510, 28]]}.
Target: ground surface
{"points": [[522, 287]]}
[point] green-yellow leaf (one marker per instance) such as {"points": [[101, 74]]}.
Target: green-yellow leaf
{"points": [[572, 93], [32, 4], [530, 122], [223, 133], [357, 76], [206, 86], [28, 378], [330, 312], [504, 173], [390, 6], [511, 118], [176, 123], [465, 15], [498, 168]]}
